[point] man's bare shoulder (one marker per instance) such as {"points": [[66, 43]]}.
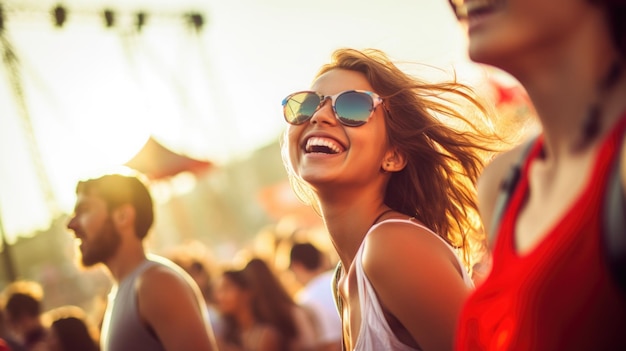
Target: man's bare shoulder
{"points": [[162, 275], [170, 303]]}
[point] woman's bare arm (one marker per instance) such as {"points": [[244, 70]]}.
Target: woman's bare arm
{"points": [[418, 280]]}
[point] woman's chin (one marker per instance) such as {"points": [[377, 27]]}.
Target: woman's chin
{"points": [[480, 56], [492, 55]]}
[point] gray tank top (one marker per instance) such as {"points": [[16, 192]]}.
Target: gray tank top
{"points": [[122, 328]]}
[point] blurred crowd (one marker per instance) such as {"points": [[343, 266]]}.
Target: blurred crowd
{"points": [[278, 286]]}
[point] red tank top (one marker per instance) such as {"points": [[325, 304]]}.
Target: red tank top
{"points": [[559, 296]]}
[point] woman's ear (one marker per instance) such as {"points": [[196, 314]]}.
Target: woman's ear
{"points": [[393, 161]]}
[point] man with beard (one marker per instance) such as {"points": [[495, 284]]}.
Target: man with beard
{"points": [[154, 304]]}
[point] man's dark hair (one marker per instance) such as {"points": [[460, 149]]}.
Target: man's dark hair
{"points": [[307, 254], [22, 305], [117, 190], [22, 299]]}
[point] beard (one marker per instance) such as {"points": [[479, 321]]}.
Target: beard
{"points": [[102, 246]]}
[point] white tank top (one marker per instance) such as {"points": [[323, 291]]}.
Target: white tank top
{"points": [[375, 333]]}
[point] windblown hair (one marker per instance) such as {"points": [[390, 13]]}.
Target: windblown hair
{"points": [[445, 150], [117, 190]]}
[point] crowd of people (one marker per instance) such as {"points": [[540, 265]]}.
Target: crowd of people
{"points": [[175, 301], [445, 236], [24, 325], [244, 308]]}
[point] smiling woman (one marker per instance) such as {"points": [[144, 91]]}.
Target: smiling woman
{"points": [[390, 179]]}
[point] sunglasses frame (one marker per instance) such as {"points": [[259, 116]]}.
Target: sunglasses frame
{"points": [[376, 100]]}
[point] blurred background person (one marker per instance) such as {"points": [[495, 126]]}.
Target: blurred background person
{"points": [[5, 338], [70, 330], [154, 304], [197, 265], [289, 316], [244, 327], [556, 279], [22, 305], [312, 270]]}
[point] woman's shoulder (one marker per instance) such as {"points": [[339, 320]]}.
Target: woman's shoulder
{"points": [[405, 263], [401, 231], [408, 242]]}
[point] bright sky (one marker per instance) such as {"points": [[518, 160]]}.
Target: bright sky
{"points": [[94, 94]]}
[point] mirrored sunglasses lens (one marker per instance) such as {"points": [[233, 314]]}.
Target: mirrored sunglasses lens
{"points": [[353, 108], [300, 107]]}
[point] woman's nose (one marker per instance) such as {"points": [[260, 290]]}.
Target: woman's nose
{"points": [[324, 113]]}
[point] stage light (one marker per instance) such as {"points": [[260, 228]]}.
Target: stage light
{"points": [[109, 18], [196, 20], [60, 15], [140, 20]]}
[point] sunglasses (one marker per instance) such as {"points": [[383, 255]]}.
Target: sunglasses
{"points": [[351, 107]]}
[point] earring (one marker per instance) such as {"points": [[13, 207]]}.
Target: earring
{"points": [[386, 167]]}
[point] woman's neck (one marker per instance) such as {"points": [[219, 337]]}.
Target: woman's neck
{"points": [[348, 225], [566, 83]]}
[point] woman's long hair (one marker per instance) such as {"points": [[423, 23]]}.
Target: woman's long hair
{"points": [[273, 304], [231, 331], [270, 302], [445, 134]]}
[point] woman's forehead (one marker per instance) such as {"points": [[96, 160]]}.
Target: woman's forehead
{"points": [[338, 80]]}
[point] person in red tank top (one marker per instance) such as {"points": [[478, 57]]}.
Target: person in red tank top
{"points": [[550, 287]]}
